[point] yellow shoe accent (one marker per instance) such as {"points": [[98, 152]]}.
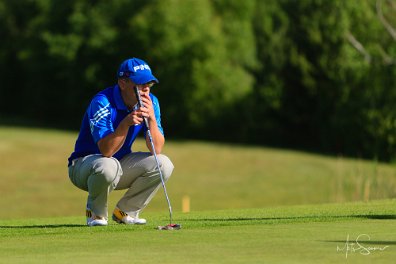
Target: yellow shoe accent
{"points": [[119, 215], [123, 218]]}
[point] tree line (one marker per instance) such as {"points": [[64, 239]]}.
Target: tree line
{"points": [[310, 74]]}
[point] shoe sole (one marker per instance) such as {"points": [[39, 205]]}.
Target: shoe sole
{"points": [[97, 224]]}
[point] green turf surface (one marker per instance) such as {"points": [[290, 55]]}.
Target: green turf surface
{"points": [[297, 234]]}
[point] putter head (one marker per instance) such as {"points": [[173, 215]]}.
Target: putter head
{"points": [[170, 227]]}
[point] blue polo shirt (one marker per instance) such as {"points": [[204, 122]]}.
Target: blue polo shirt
{"points": [[104, 114]]}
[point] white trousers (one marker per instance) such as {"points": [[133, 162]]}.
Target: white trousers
{"points": [[136, 172]]}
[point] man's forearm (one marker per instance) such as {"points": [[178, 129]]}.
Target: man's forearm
{"points": [[110, 144], [158, 138]]}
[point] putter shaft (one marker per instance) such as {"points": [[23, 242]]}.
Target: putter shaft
{"points": [[140, 103]]}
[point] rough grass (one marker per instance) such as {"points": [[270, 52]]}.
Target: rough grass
{"points": [[214, 176]]}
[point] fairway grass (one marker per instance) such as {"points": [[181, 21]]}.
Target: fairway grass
{"points": [[293, 234]]}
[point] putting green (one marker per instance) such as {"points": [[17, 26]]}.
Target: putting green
{"points": [[297, 234]]}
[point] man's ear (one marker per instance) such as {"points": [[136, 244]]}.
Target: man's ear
{"points": [[122, 81]]}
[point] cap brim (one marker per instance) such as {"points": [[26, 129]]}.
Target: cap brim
{"points": [[142, 79]]}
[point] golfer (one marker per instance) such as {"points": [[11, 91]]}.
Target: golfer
{"points": [[103, 159]]}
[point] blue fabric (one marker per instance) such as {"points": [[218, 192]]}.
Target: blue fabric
{"points": [[104, 114], [137, 70]]}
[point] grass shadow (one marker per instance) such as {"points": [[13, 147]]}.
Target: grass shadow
{"points": [[41, 226], [231, 221], [297, 218], [371, 242], [378, 217]]}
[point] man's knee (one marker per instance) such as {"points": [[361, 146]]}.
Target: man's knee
{"points": [[166, 166], [109, 169]]}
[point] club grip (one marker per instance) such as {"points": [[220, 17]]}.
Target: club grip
{"points": [[140, 104]]}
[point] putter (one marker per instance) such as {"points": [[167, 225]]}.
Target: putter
{"points": [[170, 226]]}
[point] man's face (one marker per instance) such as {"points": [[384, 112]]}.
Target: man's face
{"points": [[144, 89], [128, 86]]}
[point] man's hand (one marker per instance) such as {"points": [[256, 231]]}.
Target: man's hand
{"points": [[147, 108], [135, 118], [148, 112]]}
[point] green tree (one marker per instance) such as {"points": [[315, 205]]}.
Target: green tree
{"points": [[372, 36], [202, 70], [312, 81], [312, 74]]}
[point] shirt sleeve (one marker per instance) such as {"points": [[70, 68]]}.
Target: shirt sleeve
{"points": [[157, 113], [99, 114]]}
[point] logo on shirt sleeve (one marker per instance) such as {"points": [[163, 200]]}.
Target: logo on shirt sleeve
{"points": [[99, 114]]}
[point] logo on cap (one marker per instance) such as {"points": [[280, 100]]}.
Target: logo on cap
{"points": [[141, 67]]}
